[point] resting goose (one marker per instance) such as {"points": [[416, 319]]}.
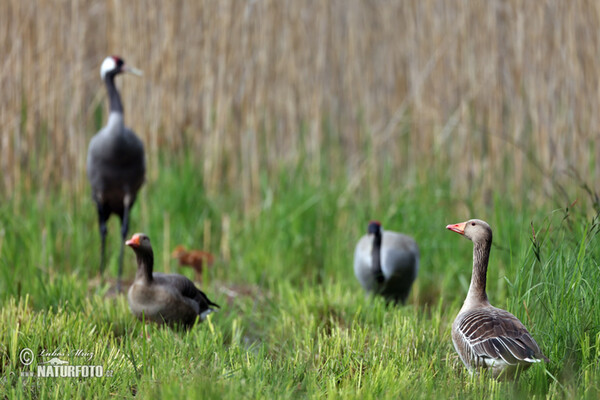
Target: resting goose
{"points": [[163, 298], [485, 336], [386, 262]]}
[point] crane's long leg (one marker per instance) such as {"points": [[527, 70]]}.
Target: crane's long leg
{"points": [[124, 230], [102, 218]]}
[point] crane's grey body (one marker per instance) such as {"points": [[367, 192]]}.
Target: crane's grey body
{"points": [[115, 163], [399, 255]]}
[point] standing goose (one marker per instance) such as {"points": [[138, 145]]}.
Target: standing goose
{"points": [[386, 262], [163, 298], [115, 162], [485, 336]]}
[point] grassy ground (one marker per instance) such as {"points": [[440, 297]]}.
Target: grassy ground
{"points": [[294, 321]]}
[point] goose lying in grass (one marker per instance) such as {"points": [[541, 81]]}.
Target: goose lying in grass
{"points": [[386, 262], [163, 298], [485, 336]]}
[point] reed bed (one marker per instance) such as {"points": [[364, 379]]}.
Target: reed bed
{"points": [[500, 95]]}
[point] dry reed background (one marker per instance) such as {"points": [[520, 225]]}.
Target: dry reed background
{"points": [[501, 94]]}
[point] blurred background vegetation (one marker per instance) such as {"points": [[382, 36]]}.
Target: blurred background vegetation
{"points": [[493, 95]]}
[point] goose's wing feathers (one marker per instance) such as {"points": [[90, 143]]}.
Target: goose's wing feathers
{"points": [[186, 288], [498, 336]]}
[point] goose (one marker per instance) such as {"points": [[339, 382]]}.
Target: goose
{"points": [[386, 263], [485, 336], [115, 162], [163, 298]]}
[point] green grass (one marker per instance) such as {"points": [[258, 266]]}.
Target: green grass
{"points": [[294, 322]]}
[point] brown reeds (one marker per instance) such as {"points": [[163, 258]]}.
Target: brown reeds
{"points": [[502, 94]]}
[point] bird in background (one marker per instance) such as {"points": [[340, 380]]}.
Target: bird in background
{"points": [[486, 337], [386, 263], [196, 259], [115, 162], [164, 298]]}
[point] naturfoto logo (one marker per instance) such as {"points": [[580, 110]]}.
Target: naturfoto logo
{"points": [[56, 367]]}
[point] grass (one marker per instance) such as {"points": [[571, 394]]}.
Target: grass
{"points": [[294, 322]]}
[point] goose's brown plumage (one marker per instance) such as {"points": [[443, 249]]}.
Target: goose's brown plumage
{"points": [[485, 336], [163, 298]]}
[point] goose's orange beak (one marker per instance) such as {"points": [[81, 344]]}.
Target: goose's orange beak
{"points": [[134, 241], [458, 228]]}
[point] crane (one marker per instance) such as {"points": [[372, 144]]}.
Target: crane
{"points": [[116, 165]]}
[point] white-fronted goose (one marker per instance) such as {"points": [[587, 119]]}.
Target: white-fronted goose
{"points": [[163, 298], [115, 162], [485, 336], [386, 262]]}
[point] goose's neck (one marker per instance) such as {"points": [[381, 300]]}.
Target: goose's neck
{"points": [[376, 257], [114, 98], [145, 262], [481, 256]]}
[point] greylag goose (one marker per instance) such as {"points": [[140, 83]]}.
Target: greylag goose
{"points": [[485, 336], [115, 162], [386, 262], [163, 298]]}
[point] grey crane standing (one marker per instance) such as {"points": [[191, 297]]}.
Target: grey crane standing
{"points": [[115, 162]]}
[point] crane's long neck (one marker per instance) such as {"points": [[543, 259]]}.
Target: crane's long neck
{"points": [[481, 256], [145, 260], [114, 98], [376, 256]]}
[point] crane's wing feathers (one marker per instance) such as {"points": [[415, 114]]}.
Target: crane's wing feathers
{"points": [[116, 167]]}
